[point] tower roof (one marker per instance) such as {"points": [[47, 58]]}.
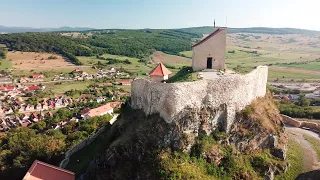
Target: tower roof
{"points": [[209, 36], [160, 70]]}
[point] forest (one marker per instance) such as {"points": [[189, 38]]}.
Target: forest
{"points": [[131, 43]]}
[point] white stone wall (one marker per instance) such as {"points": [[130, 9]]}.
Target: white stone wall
{"points": [[174, 100], [214, 47]]}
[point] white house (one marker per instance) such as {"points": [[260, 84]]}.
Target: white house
{"points": [[160, 73], [209, 53]]}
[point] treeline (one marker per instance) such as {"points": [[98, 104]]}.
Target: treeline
{"points": [[132, 43], [300, 108], [3, 53], [45, 42]]}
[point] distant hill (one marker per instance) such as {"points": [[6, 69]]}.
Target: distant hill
{"points": [[263, 30], [4, 29]]}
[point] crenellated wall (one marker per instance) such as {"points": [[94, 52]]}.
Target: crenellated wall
{"points": [[174, 100]]}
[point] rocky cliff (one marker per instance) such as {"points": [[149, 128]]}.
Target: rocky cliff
{"points": [[195, 145]]}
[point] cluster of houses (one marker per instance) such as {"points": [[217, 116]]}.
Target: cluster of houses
{"points": [[286, 97], [27, 119], [19, 90], [32, 78], [33, 113], [79, 75]]}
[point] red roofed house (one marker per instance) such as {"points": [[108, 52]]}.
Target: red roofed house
{"points": [[124, 82], [37, 76], [7, 88], [40, 170], [100, 111], [209, 53], [33, 87], [160, 73]]}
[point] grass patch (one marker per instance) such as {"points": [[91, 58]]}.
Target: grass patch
{"points": [[60, 88], [294, 157], [184, 75], [187, 54], [274, 74], [4, 64], [315, 66], [314, 142]]}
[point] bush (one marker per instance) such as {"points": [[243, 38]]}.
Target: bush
{"points": [[52, 57]]}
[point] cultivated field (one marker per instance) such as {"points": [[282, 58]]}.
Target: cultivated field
{"points": [[171, 59], [38, 61]]}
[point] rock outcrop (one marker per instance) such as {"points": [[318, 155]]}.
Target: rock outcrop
{"points": [[139, 140]]}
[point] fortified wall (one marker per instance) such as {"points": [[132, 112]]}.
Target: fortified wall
{"points": [[228, 94]]}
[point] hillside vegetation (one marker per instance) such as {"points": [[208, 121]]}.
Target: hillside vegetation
{"points": [[132, 43], [143, 147]]}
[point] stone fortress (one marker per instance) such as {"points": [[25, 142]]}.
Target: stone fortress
{"points": [[225, 95]]}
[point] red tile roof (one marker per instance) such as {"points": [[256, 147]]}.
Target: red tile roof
{"points": [[7, 88], [40, 170], [124, 81], [115, 104], [34, 87], [36, 76], [100, 110], [209, 36], [160, 70]]}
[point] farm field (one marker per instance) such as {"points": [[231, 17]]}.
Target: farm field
{"points": [[171, 60], [315, 66], [39, 61]]}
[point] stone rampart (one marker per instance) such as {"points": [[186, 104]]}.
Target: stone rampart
{"points": [[174, 100], [300, 124]]}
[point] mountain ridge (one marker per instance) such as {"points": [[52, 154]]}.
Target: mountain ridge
{"points": [[196, 30]]}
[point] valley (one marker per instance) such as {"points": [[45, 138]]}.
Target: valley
{"points": [[49, 82]]}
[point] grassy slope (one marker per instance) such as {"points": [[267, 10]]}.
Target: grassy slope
{"points": [[135, 67], [294, 157]]}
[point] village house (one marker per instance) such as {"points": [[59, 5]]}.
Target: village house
{"points": [[101, 99], [5, 80], [160, 73], [124, 82], [7, 88], [100, 111], [40, 170], [209, 53], [59, 125], [37, 76]]}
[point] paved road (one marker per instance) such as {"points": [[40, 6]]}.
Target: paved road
{"points": [[311, 159]]}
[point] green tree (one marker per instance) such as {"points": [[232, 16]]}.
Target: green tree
{"points": [[303, 101]]}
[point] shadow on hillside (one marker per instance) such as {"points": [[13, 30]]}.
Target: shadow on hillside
{"points": [[185, 74], [311, 175]]}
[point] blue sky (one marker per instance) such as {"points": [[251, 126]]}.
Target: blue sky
{"points": [[160, 13]]}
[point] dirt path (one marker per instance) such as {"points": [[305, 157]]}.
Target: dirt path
{"points": [[311, 159]]}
